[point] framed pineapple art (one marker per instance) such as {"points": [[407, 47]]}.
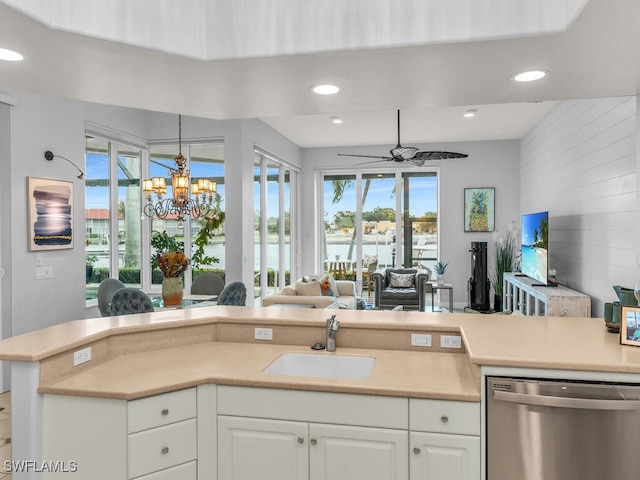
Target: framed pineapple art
{"points": [[479, 209]]}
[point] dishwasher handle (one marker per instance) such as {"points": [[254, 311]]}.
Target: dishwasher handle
{"points": [[566, 402]]}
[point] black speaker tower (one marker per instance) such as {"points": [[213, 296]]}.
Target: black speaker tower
{"points": [[478, 286]]}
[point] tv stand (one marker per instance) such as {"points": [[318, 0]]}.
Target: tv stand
{"points": [[523, 295]]}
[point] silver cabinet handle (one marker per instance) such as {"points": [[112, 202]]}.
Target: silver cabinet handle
{"points": [[165, 450], [165, 412], [300, 440], [564, 402], [444, 419], [416, 450], [313, 441]]}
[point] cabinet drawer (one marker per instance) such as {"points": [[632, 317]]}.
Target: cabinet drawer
{"points": [[162, 447], [186, 471], [161, 410], [444, 416]]}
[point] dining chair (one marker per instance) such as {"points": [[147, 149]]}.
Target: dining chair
{"points": [[106, 289], [207, 283], [371, 265], [129, 300], [233, 294]]}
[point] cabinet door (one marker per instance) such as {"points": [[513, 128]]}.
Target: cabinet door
{"points": [[437, 456], [251, 448], [357, 453]]}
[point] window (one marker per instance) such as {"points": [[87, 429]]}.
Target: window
{"points": [[274, 193], [112, 240], [363, 212], [205, 160], [117, 244]]}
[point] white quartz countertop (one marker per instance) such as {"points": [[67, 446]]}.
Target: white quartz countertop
{"points": [[227, 353]]}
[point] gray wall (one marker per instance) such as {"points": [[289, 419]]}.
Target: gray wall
{"points": [[490, 164], [580, 164]]}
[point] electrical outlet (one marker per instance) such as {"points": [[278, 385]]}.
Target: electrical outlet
{"points": [[450, 341], [263, 334], [420, 340], [81, 356]]}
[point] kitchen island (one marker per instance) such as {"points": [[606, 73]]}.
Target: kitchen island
{"points": [[212, 360]]}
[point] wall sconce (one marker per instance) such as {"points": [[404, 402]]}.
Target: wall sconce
{"points": [[48, 155]]}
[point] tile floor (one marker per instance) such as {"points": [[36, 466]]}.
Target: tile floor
{"points": [[5, 433]]}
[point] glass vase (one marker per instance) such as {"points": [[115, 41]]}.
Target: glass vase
{"points": [[172, 291]]}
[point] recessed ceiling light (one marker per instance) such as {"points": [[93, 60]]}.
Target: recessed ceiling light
{"points": [[326, 89], [470, 113], [10, 55], [530, 76], [335, 119]]}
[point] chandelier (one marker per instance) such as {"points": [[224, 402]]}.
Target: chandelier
{"points": [[181, 203]]}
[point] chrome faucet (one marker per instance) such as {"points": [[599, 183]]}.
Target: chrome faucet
{"points": [[332, 329]]}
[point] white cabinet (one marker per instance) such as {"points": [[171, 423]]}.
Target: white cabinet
{"points": [[444, 440], [357, 453], [250, 448], [439, 456], [243, 433], [521, 294], [162, 432], [154, 437]]}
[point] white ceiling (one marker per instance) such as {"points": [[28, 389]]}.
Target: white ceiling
{"points": [[433, 84]]}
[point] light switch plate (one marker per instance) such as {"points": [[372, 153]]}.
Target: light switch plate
{"points": [[44, 272], [420, 339]]}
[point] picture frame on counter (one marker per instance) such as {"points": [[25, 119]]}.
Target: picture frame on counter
{"points": [[630, 326]]}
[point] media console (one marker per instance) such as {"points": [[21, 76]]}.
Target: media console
{"points": [[520, 294]]}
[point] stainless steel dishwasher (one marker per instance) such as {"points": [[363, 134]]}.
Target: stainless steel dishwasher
{"points": [[562, 430]]}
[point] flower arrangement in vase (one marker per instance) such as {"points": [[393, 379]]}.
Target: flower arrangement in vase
{"points": [[172, 265]]}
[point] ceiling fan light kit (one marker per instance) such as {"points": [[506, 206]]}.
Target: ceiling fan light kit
{"points": [[412, 155]]}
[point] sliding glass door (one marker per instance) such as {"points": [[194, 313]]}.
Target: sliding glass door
{"points": [[377, 220]]}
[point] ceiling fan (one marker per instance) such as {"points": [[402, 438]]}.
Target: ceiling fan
{"points": [[411, 155]]}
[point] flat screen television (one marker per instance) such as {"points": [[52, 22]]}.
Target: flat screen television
{"points": [[534, 258]]}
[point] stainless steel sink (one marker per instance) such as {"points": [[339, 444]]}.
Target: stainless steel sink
{"points": [[322, 365]]}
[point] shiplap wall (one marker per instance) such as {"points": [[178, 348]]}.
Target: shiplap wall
{"points": [[579, 163]]}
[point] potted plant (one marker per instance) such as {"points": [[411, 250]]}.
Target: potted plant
{"points": [[90, 259], [505, 255], [440, 268], [208, 226]]}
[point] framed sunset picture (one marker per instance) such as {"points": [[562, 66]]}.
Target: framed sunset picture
{"points": [[50, 216]]}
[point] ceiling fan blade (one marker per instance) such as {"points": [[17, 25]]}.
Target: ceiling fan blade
{"points": [[438, 155], [417, 162], [371, 162], [364, 156]]}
